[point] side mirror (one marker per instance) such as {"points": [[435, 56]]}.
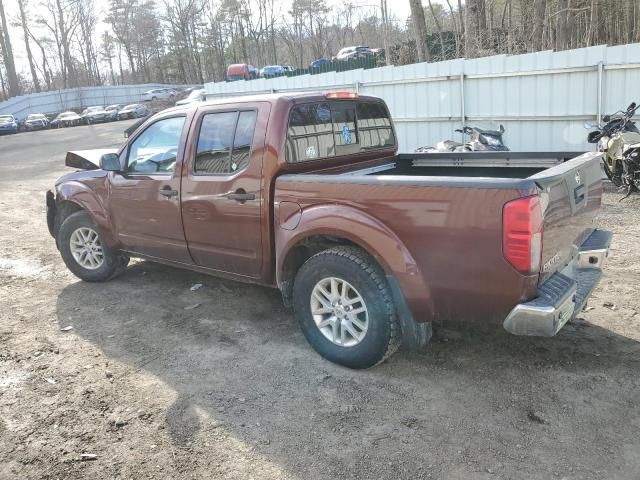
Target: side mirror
{"points": [[110, 162], [594, 136], [458, 130], [606, 118], [501, 128], [631, 107]]}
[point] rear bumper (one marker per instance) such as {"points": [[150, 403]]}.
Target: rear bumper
{"points": [[564, 294]]}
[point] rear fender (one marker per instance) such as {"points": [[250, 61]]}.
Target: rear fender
{"points": [[369, 234], [91, 203]]}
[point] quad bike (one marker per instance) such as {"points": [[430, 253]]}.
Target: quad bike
{"points": [[479, 141]]}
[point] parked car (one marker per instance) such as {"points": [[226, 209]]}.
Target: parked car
{"points": [[272, 71], [289, 68], [135, 110], [367, 246], [8, 124], [159, 94], [113, 110], [241, 71], [95, 114], [36, 121], [194, 96], [348, 53], [320, 62], [66, 119]]}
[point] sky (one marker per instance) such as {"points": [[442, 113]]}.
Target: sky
{"points": [[397, 8]]}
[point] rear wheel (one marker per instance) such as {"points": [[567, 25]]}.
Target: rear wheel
{"points": [[345, 309], [85, 253]]}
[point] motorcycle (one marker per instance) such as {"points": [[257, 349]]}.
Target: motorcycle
{"points": [[619, 140], [480, 141]]}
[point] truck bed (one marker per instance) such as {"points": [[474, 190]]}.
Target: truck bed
{"points": [[449, 217]]}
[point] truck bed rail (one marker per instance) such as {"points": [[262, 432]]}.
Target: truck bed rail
{"points": [[489, 159]]}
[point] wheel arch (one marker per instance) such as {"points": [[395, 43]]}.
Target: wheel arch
{"points": [[73, 197], [323, 226]]}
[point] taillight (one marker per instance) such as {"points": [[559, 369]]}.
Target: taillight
{"points": [[522, 234]]}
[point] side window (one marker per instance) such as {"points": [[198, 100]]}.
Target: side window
{"points": [[310, 133], [243, 140], [155, 150], [224, 143], [374, 126]]}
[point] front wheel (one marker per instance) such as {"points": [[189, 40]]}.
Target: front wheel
{"points": [[84, 251], [343, 303]]}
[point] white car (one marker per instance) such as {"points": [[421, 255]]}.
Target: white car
{"points": [[195, 96], [159, 94]]}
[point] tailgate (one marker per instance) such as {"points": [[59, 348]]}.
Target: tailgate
{"points": [[570, 197]]}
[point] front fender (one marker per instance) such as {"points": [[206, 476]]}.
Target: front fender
{"points": [[90, 201], [368, 233]]}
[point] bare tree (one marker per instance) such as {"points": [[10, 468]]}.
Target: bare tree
{"points": [[419, 30], [25, 31], [7, 56]]}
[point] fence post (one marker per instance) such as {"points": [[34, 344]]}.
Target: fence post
{"points": [[600, 85], [463, 115]]}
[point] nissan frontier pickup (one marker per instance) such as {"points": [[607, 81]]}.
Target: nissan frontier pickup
{"points": [[306, 193]]}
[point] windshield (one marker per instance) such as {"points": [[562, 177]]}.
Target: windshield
{"points": [[130, 107], [6, 118], [67, 115], [112, 107], [35, 116]]}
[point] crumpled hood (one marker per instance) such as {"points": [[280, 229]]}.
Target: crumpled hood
{"points": [[87, 159]]}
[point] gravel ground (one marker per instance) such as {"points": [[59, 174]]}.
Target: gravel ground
{"points": [[130, 379]]}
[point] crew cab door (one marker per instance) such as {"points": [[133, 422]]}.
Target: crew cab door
{"points": [[222, 189], [145, 197]]}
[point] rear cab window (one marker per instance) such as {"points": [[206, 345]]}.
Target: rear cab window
{"points": [[337, 127]]}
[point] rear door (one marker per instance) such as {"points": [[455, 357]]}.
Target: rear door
{"points": [[570, 195], [222, 189]]}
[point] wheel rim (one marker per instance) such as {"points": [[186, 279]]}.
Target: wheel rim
{"points": [[339, 312], [86, 248]]}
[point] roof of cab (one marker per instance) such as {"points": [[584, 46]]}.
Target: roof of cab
{"points": [[291, 97]]}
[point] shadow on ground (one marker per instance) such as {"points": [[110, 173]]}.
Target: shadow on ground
{"points": [[471, 404]]}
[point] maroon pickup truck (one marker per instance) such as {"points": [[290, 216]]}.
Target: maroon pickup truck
{"points": [[305, 193]]}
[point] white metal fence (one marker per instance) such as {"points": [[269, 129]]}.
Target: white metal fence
{"points": [[74, 98], [542, 98]]}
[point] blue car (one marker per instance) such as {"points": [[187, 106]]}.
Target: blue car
{"points": [[321, 62], [272, 71], [8, 124]]}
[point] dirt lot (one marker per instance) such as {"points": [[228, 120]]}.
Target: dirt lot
{"points": [[229, 389]]}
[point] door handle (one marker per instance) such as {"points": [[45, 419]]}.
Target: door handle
{"points": [[241, 196], [166, 191]]}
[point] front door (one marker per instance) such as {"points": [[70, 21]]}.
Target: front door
{"points": [[145, 198], [222, 190]]}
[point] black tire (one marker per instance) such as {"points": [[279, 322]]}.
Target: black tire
{"points": [[113, 263], [359, 269]]}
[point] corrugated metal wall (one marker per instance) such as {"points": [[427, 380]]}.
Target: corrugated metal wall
{"points": [[74, 98], [543, 98]]}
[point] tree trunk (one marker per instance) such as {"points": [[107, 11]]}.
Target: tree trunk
{"points": [[25, 31], [419, 30], [7, 54], [539, 9]]}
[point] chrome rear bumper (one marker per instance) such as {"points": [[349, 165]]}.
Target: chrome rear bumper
{"points": [[564, 294]]}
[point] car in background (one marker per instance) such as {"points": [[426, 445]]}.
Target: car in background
{"points": [[272, 71], [35, 121], [159, 94], [289, 68], [320, 62], [66, 119], [348, 53], [113, 110], [94, 114], [8, 124], [241, 71], [135, 110], [194, 96]]}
